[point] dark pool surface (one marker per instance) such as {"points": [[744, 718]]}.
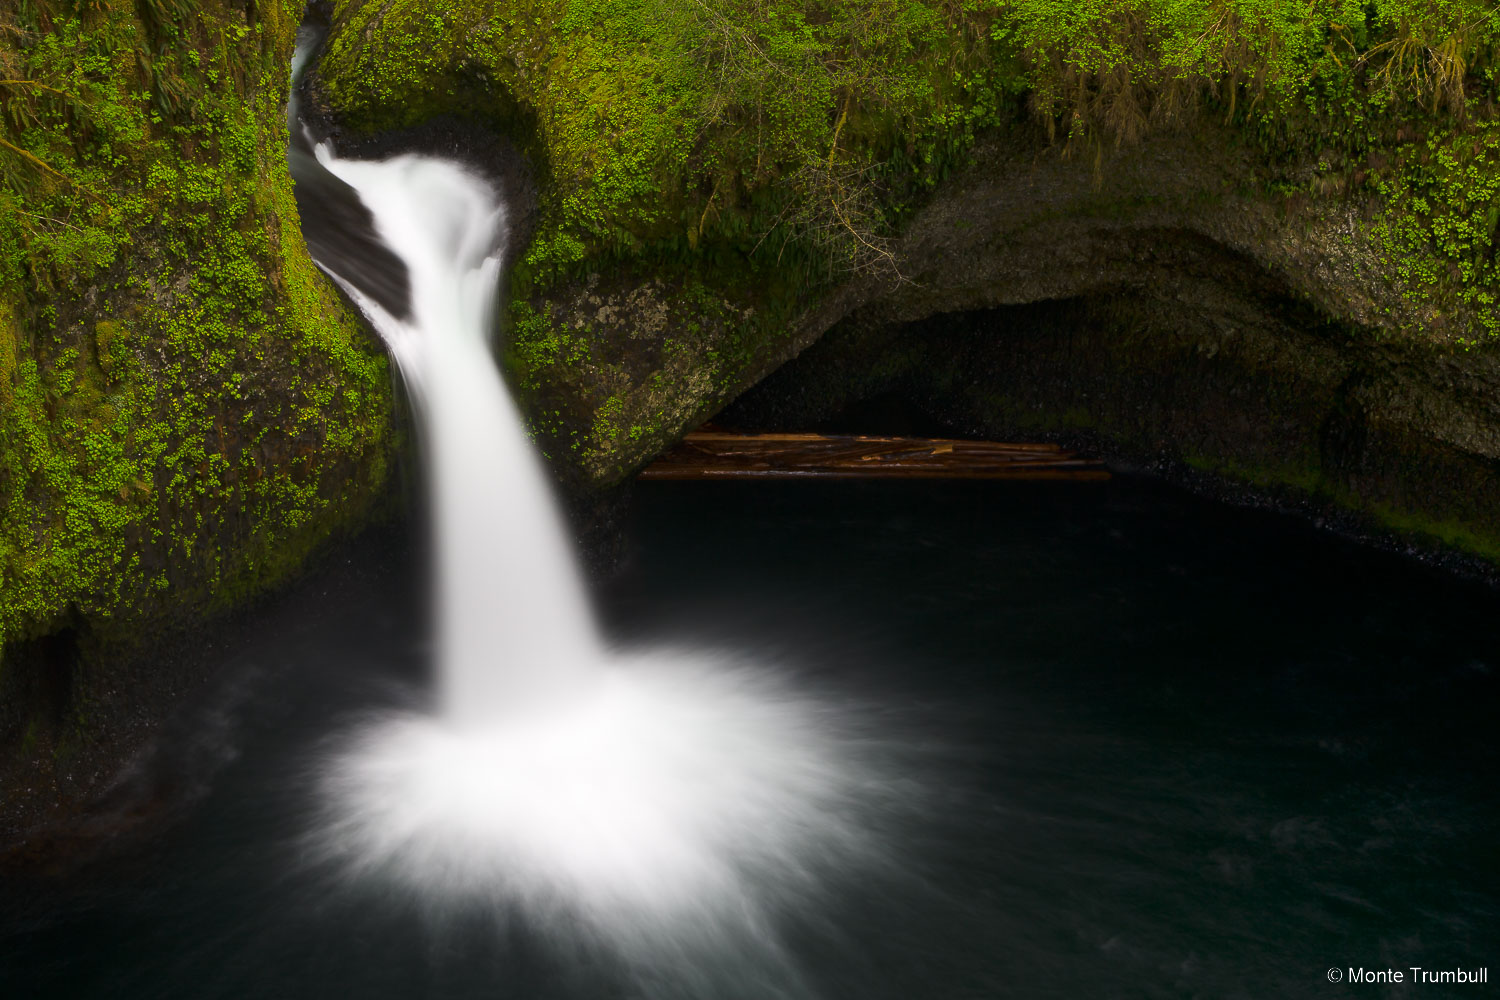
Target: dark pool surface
{"points": [[1168, 749]]}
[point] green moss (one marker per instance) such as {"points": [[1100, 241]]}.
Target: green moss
{"points": [[1306, 479], [1389, 105], [1441, 209], [186, 407], [1453, 534], [1461, 536], [681, 127], [611, 373]]}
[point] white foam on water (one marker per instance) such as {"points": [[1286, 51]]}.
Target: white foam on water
{"points": [[682, 788]]}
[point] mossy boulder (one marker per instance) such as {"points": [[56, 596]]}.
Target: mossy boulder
{"points": [[187, 408]]}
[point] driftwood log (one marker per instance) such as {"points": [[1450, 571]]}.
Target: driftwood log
{"points": [[714, 454]]}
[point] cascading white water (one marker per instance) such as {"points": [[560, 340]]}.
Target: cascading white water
{"points": [[668, 802], [508, 593]]}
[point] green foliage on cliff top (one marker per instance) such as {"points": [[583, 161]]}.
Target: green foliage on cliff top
{"points": [[805, 130], [1393, 102], [185, 407], [668, 123]]}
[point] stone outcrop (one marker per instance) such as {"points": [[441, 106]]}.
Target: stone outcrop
{"points": [[188, 410]]}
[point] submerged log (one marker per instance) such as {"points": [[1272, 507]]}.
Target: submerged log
{"points": [[714, 454]]}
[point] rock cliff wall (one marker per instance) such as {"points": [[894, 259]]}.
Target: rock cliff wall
{"points": [[1262, 215], [187, 409]]}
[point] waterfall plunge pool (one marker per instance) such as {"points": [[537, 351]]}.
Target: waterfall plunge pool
{"points": [[1158, 748]]}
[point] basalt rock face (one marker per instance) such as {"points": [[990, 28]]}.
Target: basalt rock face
{"points": [[1171, 315], [188, 410], [1253, 397]]}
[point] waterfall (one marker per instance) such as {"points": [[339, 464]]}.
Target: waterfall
{"points": [[514, 628], [673, 803]]}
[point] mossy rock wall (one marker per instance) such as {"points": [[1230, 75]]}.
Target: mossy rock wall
{"points": [[721, 182], [1244, 396], [1172, 313], [187, 408], [687, 156]]}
